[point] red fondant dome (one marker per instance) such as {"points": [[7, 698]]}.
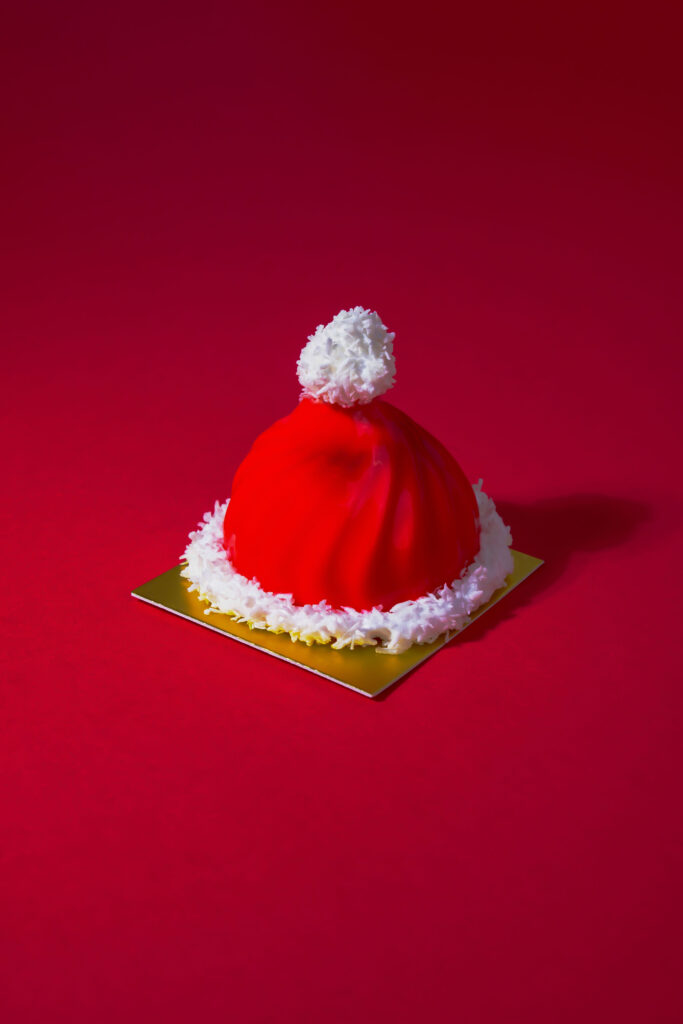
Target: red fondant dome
{"points": [[357, 506]]}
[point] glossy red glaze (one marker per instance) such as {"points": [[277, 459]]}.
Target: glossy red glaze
{"points": [[360, 507]]}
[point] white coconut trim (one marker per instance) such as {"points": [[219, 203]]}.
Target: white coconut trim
{"points": [[411, 622], [348, 362]]}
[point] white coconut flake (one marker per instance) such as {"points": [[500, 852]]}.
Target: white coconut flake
{"points": [[421, 621], [348, 362]]}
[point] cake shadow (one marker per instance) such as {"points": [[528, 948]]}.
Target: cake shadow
{"points": [[556, 530]]}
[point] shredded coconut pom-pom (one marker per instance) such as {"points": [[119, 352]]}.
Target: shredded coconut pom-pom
{"points": [[421, 621], [348, 362]]}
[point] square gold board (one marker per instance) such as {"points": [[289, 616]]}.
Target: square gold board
{"points": [[361, 669]]}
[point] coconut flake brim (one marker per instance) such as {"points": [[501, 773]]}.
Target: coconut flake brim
{"points": [[420, 621]]}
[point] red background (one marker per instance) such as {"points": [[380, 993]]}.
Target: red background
{"points": [[193, 831]]}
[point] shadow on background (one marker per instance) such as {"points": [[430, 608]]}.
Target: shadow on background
{"points": [[553, 529], [556, 529]]}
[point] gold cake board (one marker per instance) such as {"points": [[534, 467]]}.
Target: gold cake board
{"points": [[361, 669]]}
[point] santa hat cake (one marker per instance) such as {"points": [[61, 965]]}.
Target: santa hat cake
{"points": [[348, 523]]}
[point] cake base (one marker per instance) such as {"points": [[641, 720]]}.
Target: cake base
{"points": [[361, 669]]}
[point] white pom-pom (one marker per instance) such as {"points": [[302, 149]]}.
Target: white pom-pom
{"points": [[348, 362]]}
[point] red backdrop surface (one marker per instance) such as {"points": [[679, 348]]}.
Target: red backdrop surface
{"points": [[193, 831]]}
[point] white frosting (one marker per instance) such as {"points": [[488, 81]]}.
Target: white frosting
{"points": [[348, 362], [411, 622]]}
